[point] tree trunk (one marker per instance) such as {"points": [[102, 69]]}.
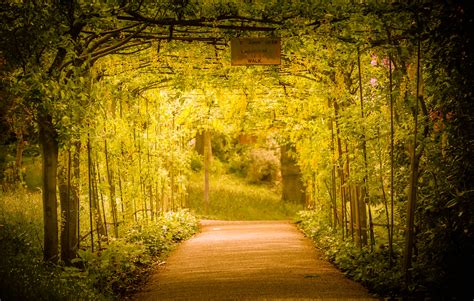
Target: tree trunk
{"points": [[207, 163], [121, 196], [384, 196], [75, 193], [91, 194], [172, 171], [137, 141], [363, 217], [49, 149], [353, 206], [98, 203], [293, 187], [409, 237], [199, 144], [371, 227], [100, 197], [358, 227]]}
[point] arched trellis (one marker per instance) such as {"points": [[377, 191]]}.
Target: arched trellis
{"points": [[128, 29]]}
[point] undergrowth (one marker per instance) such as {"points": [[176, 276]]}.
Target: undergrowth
{"points": [[108, 274], [371, 268]]}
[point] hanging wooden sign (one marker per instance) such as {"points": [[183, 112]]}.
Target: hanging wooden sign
{"points": [[255, 51]]}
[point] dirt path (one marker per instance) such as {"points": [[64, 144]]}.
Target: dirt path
{"points": [[249, 261]]}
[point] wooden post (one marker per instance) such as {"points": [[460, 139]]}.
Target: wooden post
{"points": [[207, 164], [49, 150], [412, 191], [365, 190], [110, 178]]}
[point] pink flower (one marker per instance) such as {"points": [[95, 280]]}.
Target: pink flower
{"points": [[373, 82], [374, 60]]}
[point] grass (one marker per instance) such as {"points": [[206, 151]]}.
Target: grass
{"points": [[23, 275], [22, 211], [233, 198], [110, 274]]}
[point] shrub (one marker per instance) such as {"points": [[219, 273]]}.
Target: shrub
{"points": [[108, 274], [196, 161], [263, 166], [371, 268], [24, 276], [238, 164], [257, 165], [164, 232], [116, 270]]}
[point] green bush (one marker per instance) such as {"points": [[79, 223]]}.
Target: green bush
{"points": [[108, 274], [27, 278], [164, 232], [120, 268], [371, 268], [24, 276], [116, 270], [263, 166], [238, 164], [257, 165], [217, 167], [196, 161]]}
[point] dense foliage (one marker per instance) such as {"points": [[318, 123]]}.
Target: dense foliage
{"points": [[115, 271], [369, 267]]}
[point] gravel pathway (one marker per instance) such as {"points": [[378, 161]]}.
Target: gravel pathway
{"points": [[249, 261]]}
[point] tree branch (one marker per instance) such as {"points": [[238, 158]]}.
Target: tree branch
{"points": [[202, 22]]}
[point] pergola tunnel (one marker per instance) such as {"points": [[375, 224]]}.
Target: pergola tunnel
{"points": [[127, 124]]}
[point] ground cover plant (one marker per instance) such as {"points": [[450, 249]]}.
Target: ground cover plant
{"points": [[115, 271], [372, 268]]}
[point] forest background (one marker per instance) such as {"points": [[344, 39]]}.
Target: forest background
{"points": [[371, 105]]}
